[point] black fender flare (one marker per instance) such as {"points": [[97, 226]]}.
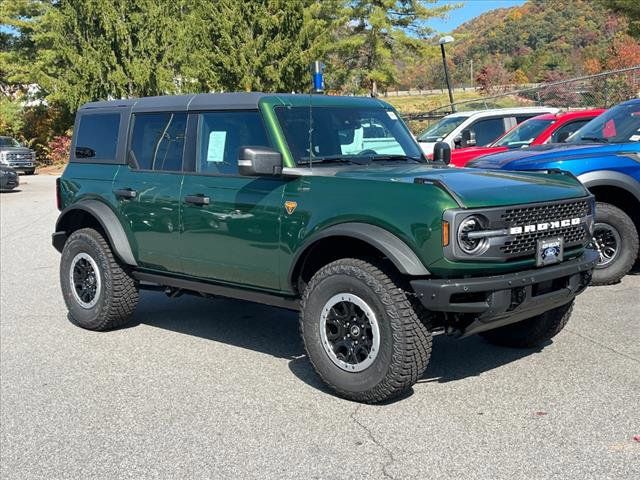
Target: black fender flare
{"points": [[394, 248], [610, 178], [109, 222]]}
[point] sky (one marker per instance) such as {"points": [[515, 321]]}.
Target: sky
{"points": [[470, 9]]}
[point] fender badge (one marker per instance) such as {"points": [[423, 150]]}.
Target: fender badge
{"points": [[290, 206]]}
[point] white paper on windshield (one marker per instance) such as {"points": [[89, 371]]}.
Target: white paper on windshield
{"points": [[392, 115], [634, 138], [215, 150]]}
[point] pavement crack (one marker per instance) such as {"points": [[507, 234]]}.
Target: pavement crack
{"points": [[600, 344], [388, 453]]}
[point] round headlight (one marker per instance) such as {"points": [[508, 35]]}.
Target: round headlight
{"points": [[471, 246]]}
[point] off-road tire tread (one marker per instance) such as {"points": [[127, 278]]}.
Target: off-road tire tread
{"points": [[120, 290], [532, 332], [412, 340], [630, 234]]}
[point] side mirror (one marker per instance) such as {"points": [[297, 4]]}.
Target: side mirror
{"points": [[562, 136], [259, 161], [468, 138], [442, 153]]}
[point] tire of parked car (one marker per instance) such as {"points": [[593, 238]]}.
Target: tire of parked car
{"points": [[617, 242], [361, 332], [532, 332], [99, 292]]}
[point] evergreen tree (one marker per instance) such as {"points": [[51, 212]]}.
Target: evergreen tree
{"points": [[375, 34]]}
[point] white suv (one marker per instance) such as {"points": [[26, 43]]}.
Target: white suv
{"points": [[476, 127]]}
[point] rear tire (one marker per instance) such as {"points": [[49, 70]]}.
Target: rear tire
{"points": [[351, 300], [99, 293], [531, 332], [617, 239]]}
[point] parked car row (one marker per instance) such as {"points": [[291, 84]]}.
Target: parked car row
{"points": [[602, 149]]}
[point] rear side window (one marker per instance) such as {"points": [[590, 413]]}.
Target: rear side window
{"points": [[157, 141], [488, 130], [97, 137]]}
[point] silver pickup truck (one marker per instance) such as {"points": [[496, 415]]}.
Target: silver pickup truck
{"points": [[12, 154]]}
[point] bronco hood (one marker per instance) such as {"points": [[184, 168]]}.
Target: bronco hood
{"points": [[474, 187]]}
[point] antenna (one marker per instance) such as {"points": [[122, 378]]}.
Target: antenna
{"points": [[317, 86]]}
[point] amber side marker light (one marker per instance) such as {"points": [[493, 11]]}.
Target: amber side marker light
{"points": [[445, 233]]}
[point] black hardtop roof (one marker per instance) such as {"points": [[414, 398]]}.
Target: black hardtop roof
{"points": [[224, 101]]}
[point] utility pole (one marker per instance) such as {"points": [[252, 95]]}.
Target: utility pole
{"points": [[443, 40]]}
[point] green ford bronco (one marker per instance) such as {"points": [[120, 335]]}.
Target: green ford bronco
{"points": [[320, 204]]}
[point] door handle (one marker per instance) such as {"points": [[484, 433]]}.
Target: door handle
{"points": [[125, 193], [197, 199]]}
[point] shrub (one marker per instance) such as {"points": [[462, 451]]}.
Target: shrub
{"points": [[57, 149]]}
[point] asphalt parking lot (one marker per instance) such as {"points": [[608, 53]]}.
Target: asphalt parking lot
{"points": [[202, 388]]}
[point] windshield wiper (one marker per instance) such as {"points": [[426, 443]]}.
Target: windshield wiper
{"points": [[331, 159], [394, 158], [595, 139]]}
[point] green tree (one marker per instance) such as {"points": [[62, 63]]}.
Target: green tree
{"points": [[264, 45], [374, 33]]}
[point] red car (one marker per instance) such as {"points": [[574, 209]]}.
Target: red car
{"points": [[546, 128]]}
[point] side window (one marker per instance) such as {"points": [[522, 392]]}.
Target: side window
{"points": [[97, 136], [566, 131], [220, 136], [522, 118], [157, 141], [488, 130]]}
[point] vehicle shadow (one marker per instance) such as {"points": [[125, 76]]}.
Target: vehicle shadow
{"points": [[274, 331]]}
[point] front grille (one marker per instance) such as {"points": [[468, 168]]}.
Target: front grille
{"points": [[525, 243], [546, 212], [19, 158]]}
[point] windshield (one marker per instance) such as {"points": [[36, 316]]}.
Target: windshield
{"points": [[619, 124], [8, 142], [346, 134], [523, 134], [444, 127]]}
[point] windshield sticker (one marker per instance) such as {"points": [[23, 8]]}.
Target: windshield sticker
{"points": [[634, 138], [215, 150], [392, 115]]}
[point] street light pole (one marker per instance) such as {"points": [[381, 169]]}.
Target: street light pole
{"points": [[443, 40]]}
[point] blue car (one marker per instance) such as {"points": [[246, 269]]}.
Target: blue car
{"points": [[605, 155]]}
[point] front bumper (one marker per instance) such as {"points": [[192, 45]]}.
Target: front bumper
{"points": [[23, 166], [491, 302]]}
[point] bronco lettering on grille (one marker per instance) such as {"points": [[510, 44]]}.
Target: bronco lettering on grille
{"points": [[540, 227]]}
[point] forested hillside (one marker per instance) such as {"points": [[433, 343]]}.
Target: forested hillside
{"points": [[545, 39]]}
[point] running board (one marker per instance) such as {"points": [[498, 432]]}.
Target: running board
{"points": [[289, 303]]}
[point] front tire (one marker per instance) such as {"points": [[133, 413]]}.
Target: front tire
{"points": [[361, 333], [99, 293], [617, 242], [532, 332]]}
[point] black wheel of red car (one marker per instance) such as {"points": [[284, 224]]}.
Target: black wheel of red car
{"points": [[616, 239], [361, 332], [532, 332], [99, 293]]}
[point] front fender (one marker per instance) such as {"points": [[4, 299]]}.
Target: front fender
{"points": [[611, 178], [395, 249]]}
